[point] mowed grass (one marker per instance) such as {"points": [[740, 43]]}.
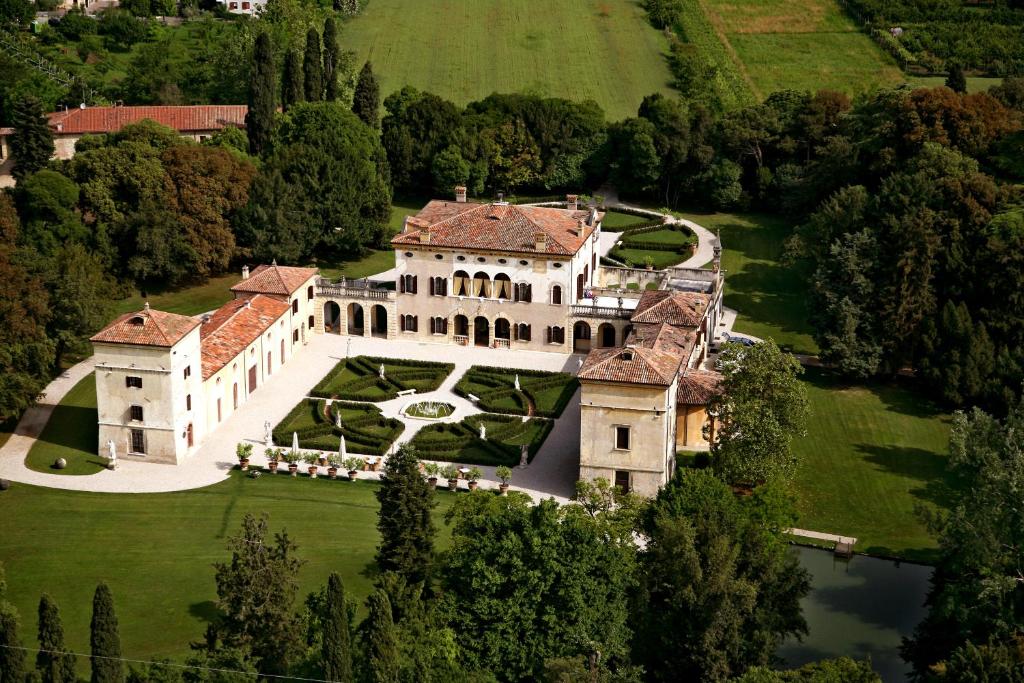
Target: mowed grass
{"points": [[464, 50], [71, 434], [771, 297], [156, 551], [801, 45], [872, 454]]}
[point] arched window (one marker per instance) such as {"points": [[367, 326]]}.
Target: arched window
{"points": [[309, 293], [502, 329], [556, 335], [482, 285], [556, 295], [502, 287], [460, 283]]}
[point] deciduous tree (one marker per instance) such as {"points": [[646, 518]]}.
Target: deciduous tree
{"points": [[80, 298]]}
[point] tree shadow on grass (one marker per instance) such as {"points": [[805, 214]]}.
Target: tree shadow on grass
{"points": [[72, 427], [206, 611], [937, 484]]}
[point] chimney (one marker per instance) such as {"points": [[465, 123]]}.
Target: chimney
{"points": [[425, 235], [592, 218], [540, 241], [579, 227], [460, 194], [145, 306], [245, 272], [572, 202]]}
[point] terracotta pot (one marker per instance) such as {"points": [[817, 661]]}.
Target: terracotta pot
{"points": [[433, 482], [312, 471], [352, 475], [503, 489], [473, 485], [453, 484], [244, 464], [293, 469], [272, 466], [332, 472]]}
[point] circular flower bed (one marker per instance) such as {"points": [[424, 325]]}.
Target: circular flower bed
{"points": [[429, 410]]}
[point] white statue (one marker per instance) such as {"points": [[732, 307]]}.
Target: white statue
{"points": [[517, 382], [483, 431], [524, 455], [112, 455], [268, 434], [337, 419], [382, 371]]}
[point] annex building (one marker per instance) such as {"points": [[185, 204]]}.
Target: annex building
{"points": [[492, 275]]}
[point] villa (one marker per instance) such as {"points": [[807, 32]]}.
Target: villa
{"points": [[492, 275]]}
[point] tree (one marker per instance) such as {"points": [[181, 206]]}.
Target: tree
{"points": [[48, 205], [312, 68], [12, 657], [336, 648], [404, 521], [32, 140], [635, 165], [840, 670], [80, 298], [762, 408], [53, 662], [26, 353], [955, 80], [255, 594], [719, 589], [16, 13], [380, 644], [366, 100], [291, 81], [663, 13], [161, 252], [259, 120], [450, 169], [332, 60], [104, 639]]}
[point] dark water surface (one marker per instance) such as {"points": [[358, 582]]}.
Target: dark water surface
{"points": [[860, 608]]}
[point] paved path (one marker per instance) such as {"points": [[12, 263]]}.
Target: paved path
{"points": [[552, 473], [821, 536], [705, 238]]}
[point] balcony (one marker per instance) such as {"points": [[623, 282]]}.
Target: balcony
{"points": [[611, 312], [356, 289]]}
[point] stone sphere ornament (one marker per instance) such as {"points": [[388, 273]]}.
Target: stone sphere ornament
{"points": [[4, 484], [60, 463]]}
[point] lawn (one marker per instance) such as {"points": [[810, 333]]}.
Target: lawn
{"points": [[366, 431], [460, 442], [872, 453], [71, 434], [799, 45], [185, 301], [615, 221], [770, 296], [549, 392], [358, 379], [639, 258], [464, 50], [156, 551]]}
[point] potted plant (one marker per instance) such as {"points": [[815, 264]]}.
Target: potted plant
{"points": [[273, 454], [311, 458], [293, 463], [353, 465], [504, 475], [432, 469], [452, 475], [244, 452], [474, 475], [332, 466], [648, 262]]}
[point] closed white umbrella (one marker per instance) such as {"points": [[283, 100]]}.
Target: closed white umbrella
{"points": [[295, 443], [342, 449], [517, 382]]}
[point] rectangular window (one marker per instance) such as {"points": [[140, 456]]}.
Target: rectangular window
{"points": [[136, 413], [622, 480], [188, 371], [188, 401], [138, 439], [218, 410], [295, 305], [133, 382], [295, 336], [312, 322], [622, 438]]}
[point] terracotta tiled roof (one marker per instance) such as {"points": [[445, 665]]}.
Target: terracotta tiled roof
{"points": [[683, 309], [184, 119], [234, 326], [148, 327], [663, 338], [636, 365], [498, 227], [698, 387], [275, 279]]}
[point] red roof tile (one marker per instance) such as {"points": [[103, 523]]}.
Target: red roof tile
{"points": [[185, 119], [663, 338], [498, 227], [275, 279], [683, 309], [698, 387], [148, 327], [234, 326], [630, 365]]}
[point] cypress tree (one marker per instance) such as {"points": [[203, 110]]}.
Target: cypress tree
{"points": [[313, 68], [380, 642], [54, 663], [337, 646], [404, 521], [332, 57], [291, 83], [366, 100], [259, 121], [32, 141], [955, 80], [12, 659], [104, 639]]}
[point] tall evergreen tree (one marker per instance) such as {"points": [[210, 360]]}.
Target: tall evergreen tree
{"points": [[32, 141], [405, 524], [380, 641], [366, 99], [12, 658], [54, 663], [259, 121], [313, 68], [336, 653], [332, 60], [291, 81], [955, 80], [104, 639]]}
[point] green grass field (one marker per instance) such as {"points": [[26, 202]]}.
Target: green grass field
{"points": [[872, 453], [799, 45], [464, 50], [156, 551], [615, 221], [70, 434]]}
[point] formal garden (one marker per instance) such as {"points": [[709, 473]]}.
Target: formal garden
{"points": [[483, 439], [319, 425], [517, 392], [366, 378], [654, 244]]}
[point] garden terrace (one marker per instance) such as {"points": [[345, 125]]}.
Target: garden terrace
{"points": [[661, 245], [366, 431], [358, 379], [460, 442], [542, 394]]}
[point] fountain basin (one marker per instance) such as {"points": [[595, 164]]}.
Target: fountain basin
{"points": [[428, 410]]}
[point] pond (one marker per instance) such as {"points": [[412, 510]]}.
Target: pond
{"points": [[862, 607]]}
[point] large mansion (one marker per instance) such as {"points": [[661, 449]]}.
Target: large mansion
{"points": [[493, 275]]}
